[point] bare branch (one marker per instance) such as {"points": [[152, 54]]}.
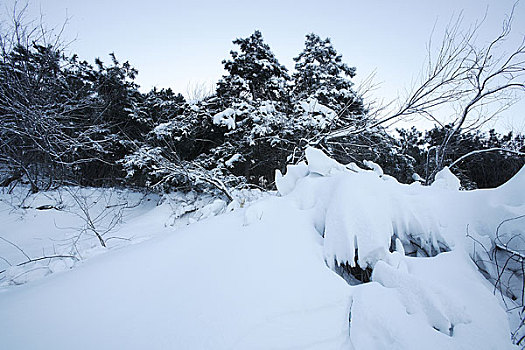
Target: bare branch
{"points": [[494, 149]]}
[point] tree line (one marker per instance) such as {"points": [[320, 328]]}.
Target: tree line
{"points": [[65, 121]]}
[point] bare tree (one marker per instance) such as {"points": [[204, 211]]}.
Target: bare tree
{"points": [[475, 81], [478, 82], [49, 116], [198, 91], [503, 264]]}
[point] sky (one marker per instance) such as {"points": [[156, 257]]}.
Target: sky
{"points": [[180, 44]]}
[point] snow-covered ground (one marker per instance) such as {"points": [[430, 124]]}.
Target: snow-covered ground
{"points": [[265, 274]]}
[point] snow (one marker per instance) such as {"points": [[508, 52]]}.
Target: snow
{"points": [[375, 167], [293, 173], [264, 274], [438, 303], [359, 213], [235, 158], [319, 163], [128, 217], [315, 114], [217, 284], [444, 179], [225, 118], [165, 129]]}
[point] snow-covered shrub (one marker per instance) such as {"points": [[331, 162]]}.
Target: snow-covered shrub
{"points": [[365, 215]]}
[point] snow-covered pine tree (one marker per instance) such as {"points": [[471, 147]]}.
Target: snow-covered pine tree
{"points": [[161, 113], [253, 108], [329, 113], [254, 73], [323, 79]]}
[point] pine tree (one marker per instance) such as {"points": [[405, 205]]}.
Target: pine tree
{"points": [[254, 73], [320, 74], [250, 108]]}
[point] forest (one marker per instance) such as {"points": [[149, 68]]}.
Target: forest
{"points": [[64, 120]]}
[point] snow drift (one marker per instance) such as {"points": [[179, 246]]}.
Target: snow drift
{"points": [[264, 277]]}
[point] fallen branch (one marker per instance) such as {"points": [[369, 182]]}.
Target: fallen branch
{"points": [[44, 258]]}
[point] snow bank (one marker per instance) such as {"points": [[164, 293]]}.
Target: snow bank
{"points": [[245, 280], [365, 209], [360, 213], [262, 276]]}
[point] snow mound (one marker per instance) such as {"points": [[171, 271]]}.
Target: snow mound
{"points": [[293, 173], [363, 211], [319, 163], [444, 179], [434, 303]]}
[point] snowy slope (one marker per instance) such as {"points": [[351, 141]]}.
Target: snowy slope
{"points": [[262, 277], [221, 284]]}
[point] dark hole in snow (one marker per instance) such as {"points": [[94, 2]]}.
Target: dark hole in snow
{"points": [[392, 247], [356, 274], [359, 274], [450, 332], [45, 207], [353, 275]]}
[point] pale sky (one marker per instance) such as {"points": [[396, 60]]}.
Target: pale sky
{"points": [[179, 43]]}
